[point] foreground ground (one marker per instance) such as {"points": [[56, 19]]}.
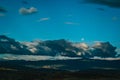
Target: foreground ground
{"points": [[10, 74], [70, 70]]}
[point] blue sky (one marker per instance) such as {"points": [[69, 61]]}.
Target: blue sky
{"points": [[60, 19]]}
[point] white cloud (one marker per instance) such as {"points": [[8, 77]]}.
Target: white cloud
{"points": [[72, 23], [84, 46], [44, 19], [25, 11], [33, 50], [31, 46], [33, 57], [79, 53], [109, 59]]}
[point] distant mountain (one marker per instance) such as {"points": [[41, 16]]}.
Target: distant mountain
{"points": [[56, 47]]}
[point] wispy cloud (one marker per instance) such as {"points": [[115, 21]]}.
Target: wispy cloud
{"points": [[33, 57], [2, 14], [44, 19], [7, 33], [72, 23], [114, 18], [26, 11]]}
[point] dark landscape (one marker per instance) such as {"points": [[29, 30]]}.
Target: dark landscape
{"points": [[71, 70]]}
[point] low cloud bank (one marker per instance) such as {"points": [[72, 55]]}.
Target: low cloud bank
{"points": [[33, 57], [56, 48], [39, 57]]}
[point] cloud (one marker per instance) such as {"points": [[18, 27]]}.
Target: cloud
{"points": [[84, 46], [44, 19], [2, 14], [39, 57], [118, 50], [13, 47], [33, 57], [114, 18], [104, 49], [25, 11], [57, 47], [110, 3], [109, 59], [31, 46], [72, 23], [35, 47]]}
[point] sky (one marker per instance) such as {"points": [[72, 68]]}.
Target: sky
{"points": [[74, 20]]}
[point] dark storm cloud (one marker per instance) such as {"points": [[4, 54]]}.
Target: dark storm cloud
{"points": [[104, 49], [110, 3], [56, 47]]}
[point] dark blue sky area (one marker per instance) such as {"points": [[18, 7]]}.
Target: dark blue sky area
{"points": [[73, 20]]}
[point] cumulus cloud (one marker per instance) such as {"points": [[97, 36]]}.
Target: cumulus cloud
{"points": [[26, 11], [84, 46], [72, 23], [31, 46], [33, 50], [57, 47], [100, 49], [110, 3], [44, 19], [104, 49], [37, 47]]}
